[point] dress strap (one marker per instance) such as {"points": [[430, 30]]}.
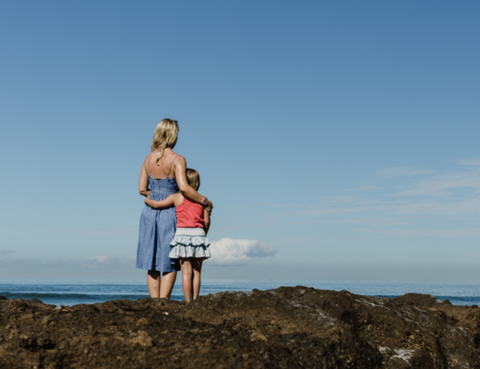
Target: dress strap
{"points": [[171, 166]]}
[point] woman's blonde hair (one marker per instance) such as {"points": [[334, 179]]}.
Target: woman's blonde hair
{"points": [[193, 179], [165, 135]]}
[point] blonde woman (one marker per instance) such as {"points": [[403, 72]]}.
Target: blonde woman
{"points": [[163, 173]]}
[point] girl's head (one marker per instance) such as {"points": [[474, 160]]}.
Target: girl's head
{"points": [[193, 179], [165, 135]]}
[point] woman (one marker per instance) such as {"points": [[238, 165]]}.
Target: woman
{"points": [[163, 173]]}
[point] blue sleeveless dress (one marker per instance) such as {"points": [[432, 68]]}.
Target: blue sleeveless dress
{"points": [[157, 229]]}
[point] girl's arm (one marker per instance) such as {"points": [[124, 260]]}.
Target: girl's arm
{"points": [[162, 204], [187, 191], [206, 219], [143, 182]]}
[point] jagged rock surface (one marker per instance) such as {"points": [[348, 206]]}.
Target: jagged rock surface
{"points": [[289, 327]]}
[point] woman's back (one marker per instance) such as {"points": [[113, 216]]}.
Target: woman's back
{"points": [[163, 168], [160, 181]]}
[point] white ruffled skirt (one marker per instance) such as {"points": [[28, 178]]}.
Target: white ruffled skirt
{"points": [[190, 243]]}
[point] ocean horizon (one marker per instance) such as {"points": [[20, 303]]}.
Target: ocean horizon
{"points": [[73, 292]]}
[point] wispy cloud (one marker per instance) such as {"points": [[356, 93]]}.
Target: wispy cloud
{"points": [[274, 205], [103, 267], [467, 206], [416, 208], [337, 199], [111, 231], [437, 233], [402, 172], [228, 251], [4, 252], [470, 162], [102, 260], [452, 194], [443, 185], [362, 188], [96, 261]]}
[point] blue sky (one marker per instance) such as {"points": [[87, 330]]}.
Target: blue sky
{"points": [[336, 139]]}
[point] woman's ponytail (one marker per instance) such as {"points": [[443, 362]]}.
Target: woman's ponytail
{"points": [[165, 135]]}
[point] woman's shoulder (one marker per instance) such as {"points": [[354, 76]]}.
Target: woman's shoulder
{"points": [[146, 162], [178, 160], [169, 155], [177, 157], [148, 157]]}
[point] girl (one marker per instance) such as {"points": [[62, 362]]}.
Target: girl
{"points": [[190, 243]]}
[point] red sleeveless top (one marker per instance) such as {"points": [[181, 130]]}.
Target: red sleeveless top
{"points": [[189, 215]]}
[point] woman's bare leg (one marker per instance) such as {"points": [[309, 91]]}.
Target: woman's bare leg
{"points": [[153, 283], [187, 276], [197, 269], [166, 287]]}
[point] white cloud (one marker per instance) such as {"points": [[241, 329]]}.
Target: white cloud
{"points": [[227, 251], [99, 259]]}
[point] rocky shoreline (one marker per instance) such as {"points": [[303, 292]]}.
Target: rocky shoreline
{"points": [[289, 327]]}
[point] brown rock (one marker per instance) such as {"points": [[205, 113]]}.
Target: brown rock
{"points": [[258, 336], [283, 328]]}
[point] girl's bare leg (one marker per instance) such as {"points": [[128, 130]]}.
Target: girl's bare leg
{"points": [[166, 287], [153, 283], [197, 269], [187, 276]]}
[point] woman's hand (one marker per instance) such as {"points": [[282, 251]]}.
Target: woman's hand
{"points": [[209, 207]]}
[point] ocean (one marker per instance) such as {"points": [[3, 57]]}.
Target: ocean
{"points": [[72, 292]]}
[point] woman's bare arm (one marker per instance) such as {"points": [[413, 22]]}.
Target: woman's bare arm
{"points": [[143, 182], [206, 218], [187, 191]]}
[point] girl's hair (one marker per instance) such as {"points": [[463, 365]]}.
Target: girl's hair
{"points": [[193, 179], [165, 135]]}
